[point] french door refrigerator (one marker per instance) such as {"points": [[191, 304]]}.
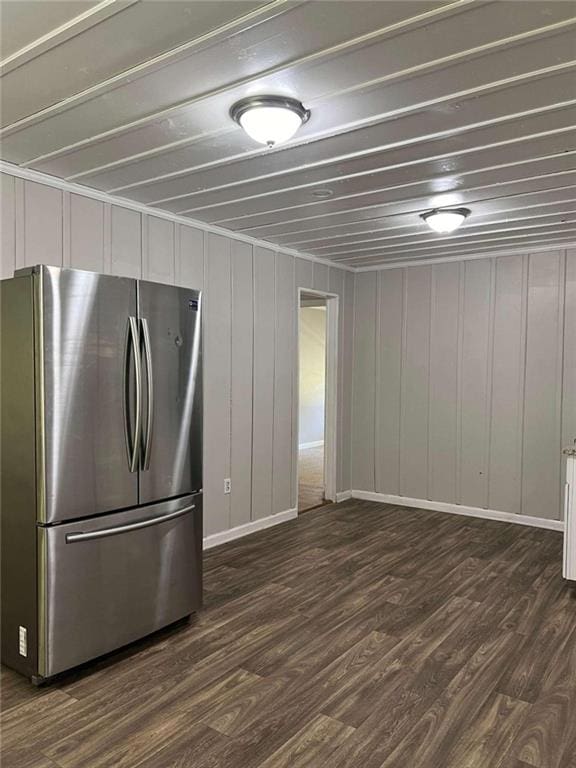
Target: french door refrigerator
{"points": [[101, 473]]}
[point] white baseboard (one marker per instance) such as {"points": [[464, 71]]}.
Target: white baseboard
{"points": [[343, 496], [313, 444], [457, 509], [216, 539]]}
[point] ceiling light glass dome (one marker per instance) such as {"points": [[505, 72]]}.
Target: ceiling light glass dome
{"points": [[445, 220], [270, 120]]}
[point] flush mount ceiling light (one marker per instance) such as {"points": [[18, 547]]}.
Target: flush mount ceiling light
{"points": [[270, 119], [445, 220]]}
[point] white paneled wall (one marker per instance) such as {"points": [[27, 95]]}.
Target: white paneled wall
{"points": [[249, 332], [263, 416], [465, 381], [364, 382], [285, 319], [217, 381]]}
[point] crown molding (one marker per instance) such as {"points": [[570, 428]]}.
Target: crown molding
{"points": [[79, 189]]}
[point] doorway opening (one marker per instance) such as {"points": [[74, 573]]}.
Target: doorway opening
{"points": [[317, 324]]}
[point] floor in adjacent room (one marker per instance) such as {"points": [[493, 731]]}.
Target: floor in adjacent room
{"points": [[310, 477], [358, 635]]}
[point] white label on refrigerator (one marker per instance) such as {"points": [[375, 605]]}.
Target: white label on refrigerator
{"points": [[23, 641]]}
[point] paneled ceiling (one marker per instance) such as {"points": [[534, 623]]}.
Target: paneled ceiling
{"points": [[414, 105]]}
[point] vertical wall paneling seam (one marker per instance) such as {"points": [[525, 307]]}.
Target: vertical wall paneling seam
{"points": [[230, 359], [489, 380], [13, 223], [177, 256], [229, 425], [522, 382], [353, 353], [342, 408], [205, 358], [295, 390], [292, 282], [292, 394], [339, 473], [352, 386], [377, 364], [230, 342], [144, 250], [400, 376], [459, 374], [336, 395], [431, 323], [560, 371], [252, 385], [107, 239], [66, 229], [19, 226], [274, 338], [175, 239], [349, 285], [253, 379], [205, 300], [403, 343], [340, 376]]}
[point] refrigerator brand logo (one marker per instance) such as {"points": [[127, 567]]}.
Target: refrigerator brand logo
{"points": [[193, 304]]}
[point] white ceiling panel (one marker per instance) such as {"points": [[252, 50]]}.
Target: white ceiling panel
{"points": [[453, 147], [414, 105], [405, 202], [414, 234], [227, 158], [130, 39], [447, 190], [449, 170], [201, 83], [25, 23], [483, 249]]}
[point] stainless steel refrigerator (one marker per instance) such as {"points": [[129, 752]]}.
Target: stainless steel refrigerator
{"points": [[101, 464]]}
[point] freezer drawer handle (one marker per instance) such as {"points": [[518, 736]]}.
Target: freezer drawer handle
{"points": [[103, 532]]}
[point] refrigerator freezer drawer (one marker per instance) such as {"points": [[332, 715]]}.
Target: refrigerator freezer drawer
{"points": [[110, 580]]}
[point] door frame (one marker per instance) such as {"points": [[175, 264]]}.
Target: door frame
{"points": [[331, 394]]}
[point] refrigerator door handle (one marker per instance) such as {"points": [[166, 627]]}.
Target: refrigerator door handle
{"points": [[150, 384], [133, 443], [104, 532]]}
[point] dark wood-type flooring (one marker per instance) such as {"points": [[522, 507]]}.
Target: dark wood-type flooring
{"points": [[358, 635]]}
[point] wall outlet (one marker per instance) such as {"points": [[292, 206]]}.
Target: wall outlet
{"points": [[227, 485], [22, 641]]}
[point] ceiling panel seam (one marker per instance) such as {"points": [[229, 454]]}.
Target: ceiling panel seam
{"points": [[60, 34]]}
